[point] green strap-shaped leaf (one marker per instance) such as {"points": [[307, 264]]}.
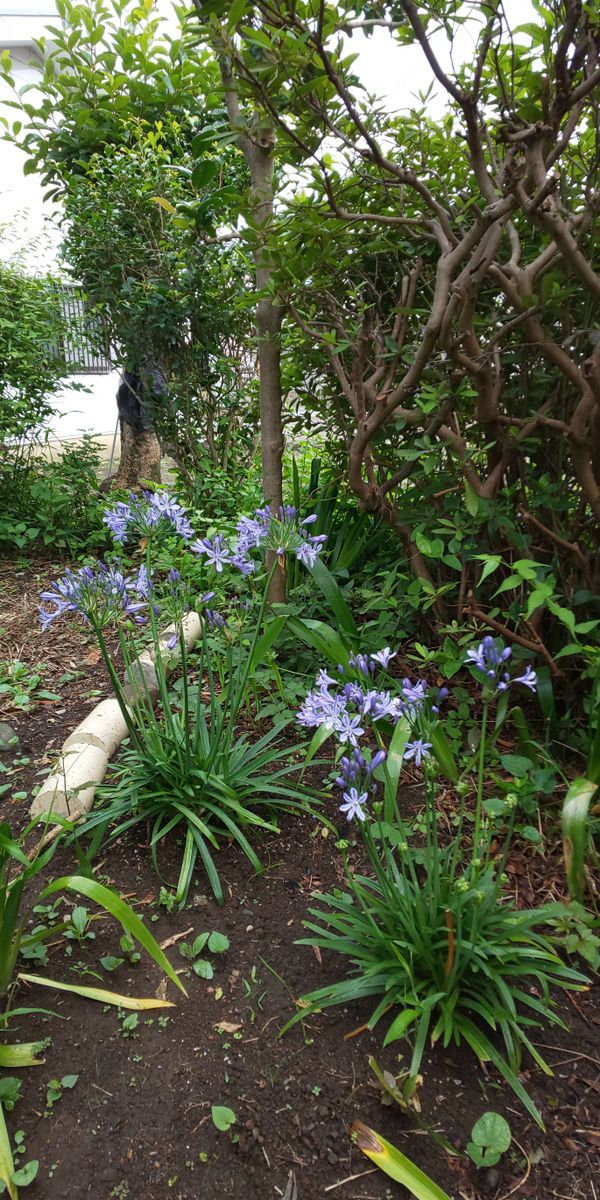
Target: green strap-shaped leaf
{"points": [[395, 1164], [124, 914], [393, 766], [574, 832], [333, 595], [443, 752], [266, 641], [322, 638], [100, 994], [22, 1054], [485, 1052], [7, 1167]]}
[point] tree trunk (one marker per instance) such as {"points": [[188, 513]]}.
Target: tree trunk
{"points": [[140, 447], [140, 458], [258, 151]]}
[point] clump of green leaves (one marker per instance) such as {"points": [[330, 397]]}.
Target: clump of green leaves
{"points": [[10, 1090], [490, 1139], [56, 1087], [222, 1117], [21, 687], [215, 943]]}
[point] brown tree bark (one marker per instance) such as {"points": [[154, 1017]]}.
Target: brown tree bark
{"points": [[258, 150], [140, 458]]}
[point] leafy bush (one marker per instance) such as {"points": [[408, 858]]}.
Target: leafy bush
{"points": [[187, 768], [31, 326], [51, 504], [443, 944]]}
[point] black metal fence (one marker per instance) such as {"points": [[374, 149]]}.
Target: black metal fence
{"points": [[84, 342]]}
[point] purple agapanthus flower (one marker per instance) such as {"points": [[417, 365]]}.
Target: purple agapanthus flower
{"points": [[245, 565], [348, 728], [321, 708], [353, 807], [528, 678], [383, 657], [214, 619], [490, 658], [361, 663], [307, 554], [140, 516], [170, 510], [118, 520], [216, 552], [414, 693], [416, 751], [143, 583], [100, 594]]}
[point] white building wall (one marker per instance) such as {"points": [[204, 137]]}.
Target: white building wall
{"points": [[28, 224]]}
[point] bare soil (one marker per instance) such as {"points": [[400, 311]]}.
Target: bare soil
{"points": [[137, 1125]]}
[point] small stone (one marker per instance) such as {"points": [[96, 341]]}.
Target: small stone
{"points": [[491, 1179], [7, 737], [140, 682]]}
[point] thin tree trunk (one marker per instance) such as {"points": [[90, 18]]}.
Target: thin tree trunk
{"points": [[140, 458], [258, 151]]}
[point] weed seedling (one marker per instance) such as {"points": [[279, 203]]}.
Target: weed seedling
{"points": [[56, 1087], [10, 1089], [79, 930], [222, 1117], [215, 943], [490, 1139]]}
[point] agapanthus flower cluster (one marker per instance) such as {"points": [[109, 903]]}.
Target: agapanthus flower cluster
{"points": [[281, 532], [356, 781], [141, 516], [351, 708], [100, 594], [491, 658]]}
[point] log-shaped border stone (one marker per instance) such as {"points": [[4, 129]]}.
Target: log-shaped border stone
{"points": [[70, 789]]}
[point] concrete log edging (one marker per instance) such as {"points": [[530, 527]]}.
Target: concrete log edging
{"points": [[70, 789]]}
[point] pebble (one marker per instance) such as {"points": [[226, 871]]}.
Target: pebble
{"points": [[491, 1179], [7, 734]]}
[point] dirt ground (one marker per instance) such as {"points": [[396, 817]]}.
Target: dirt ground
{"points": [[137, 1123]]}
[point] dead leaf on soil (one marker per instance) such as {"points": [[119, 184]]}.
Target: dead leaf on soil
{"points": [[291, 1191], [317, 954], [227, 1026], [176, 937], [592, 1136]]}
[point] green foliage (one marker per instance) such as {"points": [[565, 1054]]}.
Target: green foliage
{"points": [[431, 934], [51, 504], [395, 1164], [575, 831], [31, 367], [10, 1087], [215, 943], [222, 1117], [190, 770], [490, 1139], [56, 1087], [162, 297], [142, 212], [22, 688], [18, 874]]}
